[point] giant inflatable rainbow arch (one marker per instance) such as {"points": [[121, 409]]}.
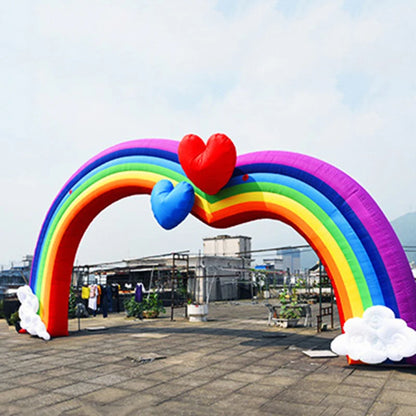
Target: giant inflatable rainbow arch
{"points": [[338, 218]]}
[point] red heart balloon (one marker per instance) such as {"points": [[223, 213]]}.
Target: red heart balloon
{"points": [[208, 166]]}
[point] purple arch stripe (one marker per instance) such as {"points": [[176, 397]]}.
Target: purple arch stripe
{"points": [[366, 210]]}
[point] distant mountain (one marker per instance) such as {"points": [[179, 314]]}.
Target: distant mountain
{"points": [[405, 227]]}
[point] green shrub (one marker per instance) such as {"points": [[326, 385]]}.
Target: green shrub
{"points": [[133, 308], [72, 302], [14, 318]]}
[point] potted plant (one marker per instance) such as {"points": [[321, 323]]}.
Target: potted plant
{"points": [[150, 307], [290, 311]]}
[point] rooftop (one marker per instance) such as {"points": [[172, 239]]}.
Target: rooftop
{"points": [[234, 364]]}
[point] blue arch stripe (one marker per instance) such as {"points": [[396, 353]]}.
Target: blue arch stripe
{"points": [[329, 208]]}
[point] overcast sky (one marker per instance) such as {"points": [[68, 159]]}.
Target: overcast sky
{"points": [[331, 79]]}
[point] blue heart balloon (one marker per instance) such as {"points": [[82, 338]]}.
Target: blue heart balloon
{"points": [[171, 205]]}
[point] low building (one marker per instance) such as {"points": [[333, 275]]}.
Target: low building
{"points": [[221, 272]]}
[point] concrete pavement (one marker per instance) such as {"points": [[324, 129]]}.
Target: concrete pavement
{"points": [[234, 364]]}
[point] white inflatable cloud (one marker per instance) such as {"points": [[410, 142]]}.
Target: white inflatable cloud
{"points": [[29, 319], [376, 337]]}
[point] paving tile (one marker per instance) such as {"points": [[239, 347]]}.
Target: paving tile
{"points": [[261, 390], [179, 408], [60, 371], [330, 410], [239, 402], [289, 372], [125, 407], [311, 385], [137, 384], [227, 365], [28, 356], [356, 391], [42, 400], [259, 369], [17, 393], [84, 410], [82, 375], [257, 354], [405, 411], [201, 396], [103, 359], [247, 361], [135, 371], [53, 383], [7, 385], [109, 379], [105, 369], [401, 384], [208, 373], [325, 377], [243, 376], [339, 367], [362, 381], [294, 395], [408, 374], [356, 403], [224, 385], [278, 408], [106, 395], [32, 379], [180, 370], [14, 410], [11, 375], [85, 365], [137, 402], [277, 381], [162, 375], [78, 389], [192, 381], [382, 409], [373, 371], [65, 408], [168, 390], [398, 397], [347, 411]]}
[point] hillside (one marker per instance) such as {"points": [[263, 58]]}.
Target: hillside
{"points": [[405, 227]]}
